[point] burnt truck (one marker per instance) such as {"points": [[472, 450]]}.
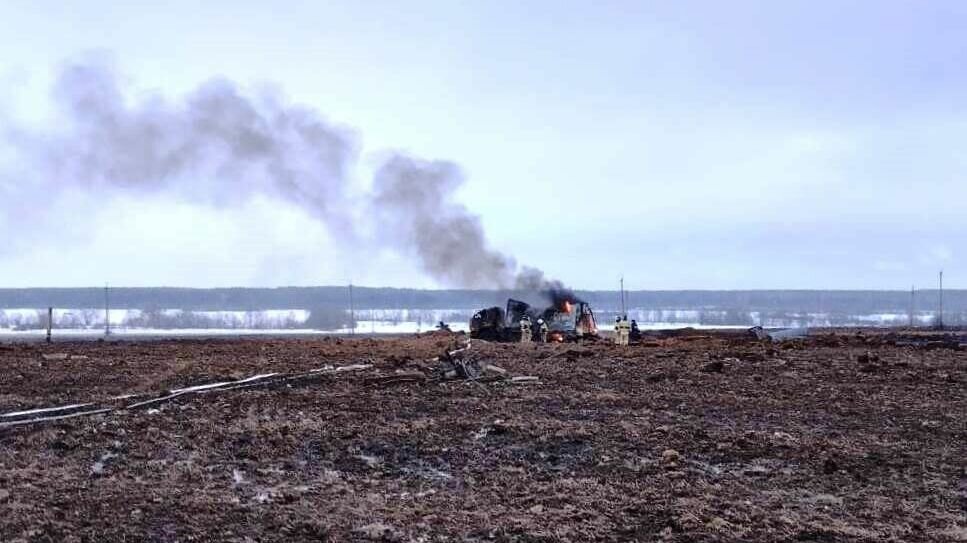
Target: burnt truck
{"points": [[567, 320]]}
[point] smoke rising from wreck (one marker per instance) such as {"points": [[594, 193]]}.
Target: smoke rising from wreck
{"points": [[218, 147]]}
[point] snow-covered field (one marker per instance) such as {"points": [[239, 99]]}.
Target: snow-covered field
{"points": [[84, 333], [88, 322], [121, 318], [84, 323]]}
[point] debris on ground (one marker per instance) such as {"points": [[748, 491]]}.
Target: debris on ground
{"points": [[762, 334], [715, 366], [55, 356], [362, 439], [378, 531]]}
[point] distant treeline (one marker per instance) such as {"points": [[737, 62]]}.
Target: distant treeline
{"points": [[253, 299]]}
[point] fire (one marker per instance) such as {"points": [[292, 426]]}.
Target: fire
{"points": [[566, 307]]}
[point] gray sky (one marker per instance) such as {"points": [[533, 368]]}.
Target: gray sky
{"points": [[682, 144]]}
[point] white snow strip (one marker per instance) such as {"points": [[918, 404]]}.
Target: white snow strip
{"points": [[354, 367], [59, 417], [217, 385], [200, 387], [44, 410], [241, 383], [154, 400]]}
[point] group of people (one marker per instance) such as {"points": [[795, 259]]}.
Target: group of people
{"points": [[625, 332], [527, 330]]}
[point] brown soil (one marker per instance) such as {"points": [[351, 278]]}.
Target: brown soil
{"points": [[835, 438]]}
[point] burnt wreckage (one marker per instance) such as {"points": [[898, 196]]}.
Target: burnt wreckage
{"points": [[567, 319]]}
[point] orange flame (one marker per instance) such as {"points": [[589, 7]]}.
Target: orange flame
{"points": [[566, 307]]}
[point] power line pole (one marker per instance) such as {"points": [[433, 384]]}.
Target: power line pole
{"points": [[913, 305], [352, 312], [107, 311], [623, 314], [940, 316]]}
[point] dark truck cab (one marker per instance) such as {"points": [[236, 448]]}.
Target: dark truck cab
{"points": [[566, 321]]}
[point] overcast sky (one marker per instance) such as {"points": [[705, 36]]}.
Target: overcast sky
{"points": [[718, 145]]}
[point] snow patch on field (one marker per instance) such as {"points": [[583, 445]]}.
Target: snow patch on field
{"points": [[176, 322]]}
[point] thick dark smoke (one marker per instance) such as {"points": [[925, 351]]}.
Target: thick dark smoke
{"points": [[219, 147], [414, 201], [533, 279]]}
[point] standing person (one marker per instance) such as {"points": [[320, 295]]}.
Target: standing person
{"points": [[635, 334], [622, 330], [617, 330], [525, 329], [542, 330]]}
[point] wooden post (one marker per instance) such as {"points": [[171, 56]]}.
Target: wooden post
{"points": [[352, 312], [50, 322], [940, 314], [623, 314], [913, 306], [107, 312]]}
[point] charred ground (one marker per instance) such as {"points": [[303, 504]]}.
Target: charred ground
{"points": [[840, 437]]}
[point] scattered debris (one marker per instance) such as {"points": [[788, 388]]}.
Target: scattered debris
{"points": [[824, 499], [255, 380], [54, 418], [762, 334], [399, 377], [378, 531], [670, 458], [610, 447], [98, 467], [55, 356], [756, 470], [71, 407], [351, 367], [199, 388], [714, 366], [929, 342], [490, 368], [867, 358], [370, 461]]}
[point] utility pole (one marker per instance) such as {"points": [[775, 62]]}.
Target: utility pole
{"points": [[623, 314], [940, 316], [913, 305], [352, 312], [107, 311]]}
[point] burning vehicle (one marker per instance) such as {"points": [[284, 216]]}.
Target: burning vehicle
{"points": [[566, 319]]}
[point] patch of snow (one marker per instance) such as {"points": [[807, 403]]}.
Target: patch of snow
{"points": [[44, 410]]}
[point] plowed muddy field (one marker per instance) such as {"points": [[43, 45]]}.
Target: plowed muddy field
{"points": [[836, 437]]}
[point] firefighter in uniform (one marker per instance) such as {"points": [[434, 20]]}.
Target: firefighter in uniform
{"points": [[635, 334], [542, 330], [525, 329], [621, 330]]}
